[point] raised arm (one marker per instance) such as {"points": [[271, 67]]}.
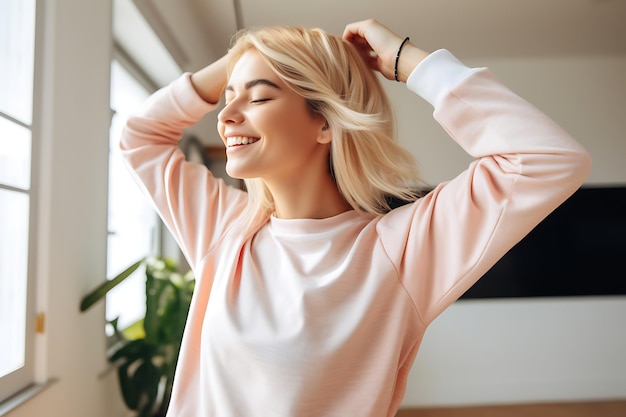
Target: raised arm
{"points": [[525, 166], [195, 206]]}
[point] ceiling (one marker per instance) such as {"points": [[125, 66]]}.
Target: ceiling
{"points": [[193, 33]]}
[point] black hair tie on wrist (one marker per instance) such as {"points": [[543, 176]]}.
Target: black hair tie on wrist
{"points": [[395, 66]]}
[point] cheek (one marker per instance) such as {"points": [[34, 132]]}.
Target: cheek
{"points": [[298, 120]]}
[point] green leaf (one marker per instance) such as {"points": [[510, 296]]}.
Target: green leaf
{"points": [[131, 393], [132, 350], [147, 376], [98, 293], [134, 331], [153, 294]]}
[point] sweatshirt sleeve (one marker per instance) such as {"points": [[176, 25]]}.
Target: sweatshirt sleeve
{"points": [[195, 206], [525, 166]]}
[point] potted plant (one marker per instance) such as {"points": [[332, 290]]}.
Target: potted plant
{"points": [[146, 352]]}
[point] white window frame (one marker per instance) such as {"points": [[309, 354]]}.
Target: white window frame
{"points": [[24, 378]]}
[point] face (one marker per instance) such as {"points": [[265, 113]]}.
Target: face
{"points": [[267, 128]]}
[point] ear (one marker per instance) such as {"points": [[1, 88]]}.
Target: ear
{"points": [[324, 136]]}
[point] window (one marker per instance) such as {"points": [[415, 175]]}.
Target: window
{"points": [[133, 223], [17, 56]]}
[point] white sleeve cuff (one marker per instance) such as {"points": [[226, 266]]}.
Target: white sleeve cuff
{"points": [[436, 75]]}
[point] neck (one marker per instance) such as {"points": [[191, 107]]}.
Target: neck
{"points": [[308, 199]]}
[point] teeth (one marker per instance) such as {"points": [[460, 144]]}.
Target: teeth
{"points": [[240, 140]]}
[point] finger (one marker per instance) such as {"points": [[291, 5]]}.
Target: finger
{"points": [[361, 44], [353, 30], [349, 32]]}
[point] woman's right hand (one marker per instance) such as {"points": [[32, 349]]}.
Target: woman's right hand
{"points": [[210, 81]]}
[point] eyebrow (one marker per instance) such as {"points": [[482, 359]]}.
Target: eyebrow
{"points": [[253, 83]]}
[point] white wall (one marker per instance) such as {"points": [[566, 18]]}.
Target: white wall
{"points": [[520, 350], [71, 171], [512, 351]]}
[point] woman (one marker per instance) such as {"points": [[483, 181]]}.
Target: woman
{"points": [[312, 293]]}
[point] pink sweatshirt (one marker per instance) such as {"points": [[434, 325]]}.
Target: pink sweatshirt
{"points": [[324, 317]]}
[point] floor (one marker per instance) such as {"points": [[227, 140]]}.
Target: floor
{"points": [[581, 409]]}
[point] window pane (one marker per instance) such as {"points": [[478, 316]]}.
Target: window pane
{"points": [[17, 51], [15, 146], [132, 220], [14, 212]]}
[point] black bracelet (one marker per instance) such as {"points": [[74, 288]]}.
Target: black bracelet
{"points": [[395, 66]]}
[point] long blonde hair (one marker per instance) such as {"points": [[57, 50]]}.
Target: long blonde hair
{"points": [[369, 166]]}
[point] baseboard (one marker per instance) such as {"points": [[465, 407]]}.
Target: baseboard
{"points": [[614, 408]]}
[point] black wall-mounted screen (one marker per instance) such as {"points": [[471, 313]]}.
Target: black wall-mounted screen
{"points": [[578, 250]]}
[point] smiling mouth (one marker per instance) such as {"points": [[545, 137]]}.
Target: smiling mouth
{"points": [[240, 140]]}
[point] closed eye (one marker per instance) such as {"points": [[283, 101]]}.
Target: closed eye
{"points": [[261, 100]]}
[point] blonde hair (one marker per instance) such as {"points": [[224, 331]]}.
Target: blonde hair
{"points": [[369, 166]]}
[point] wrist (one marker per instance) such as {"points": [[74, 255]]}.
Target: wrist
{"points": [[209, 82], [410, 56], [395, 66]]}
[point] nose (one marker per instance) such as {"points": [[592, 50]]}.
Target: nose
{"points": [[230, 114]]}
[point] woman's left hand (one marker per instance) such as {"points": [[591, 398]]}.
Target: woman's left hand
{"points": [[378, 46]]}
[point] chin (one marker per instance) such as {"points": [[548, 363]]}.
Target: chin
{"points": [[237, 174]]}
